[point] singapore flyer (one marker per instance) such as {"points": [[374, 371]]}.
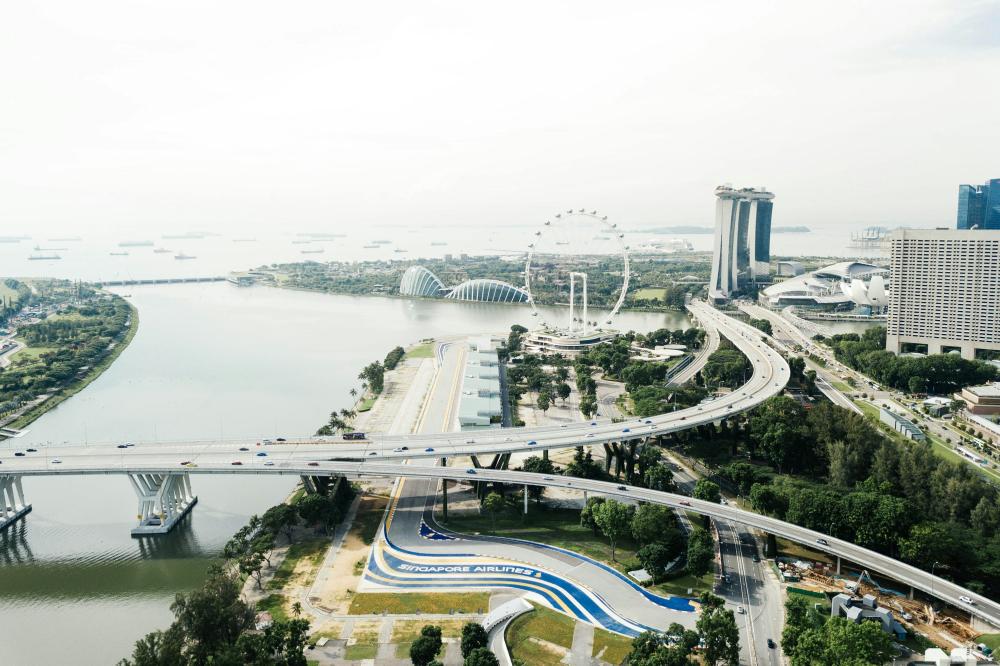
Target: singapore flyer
{"points": [[579, 258]]}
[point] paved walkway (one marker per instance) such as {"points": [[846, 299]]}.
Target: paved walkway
{"points": [[583, 645]]}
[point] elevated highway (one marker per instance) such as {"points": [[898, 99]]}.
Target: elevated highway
{"points": [[384, 456]]}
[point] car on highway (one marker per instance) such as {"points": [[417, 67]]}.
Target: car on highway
{"points": [[19, 454], [268, 463], [648, 422], [373, 453], [771, 644], [590, 434], [739, 609], [261, 454], [268, 442], [122, 446], [314, 464], [623, 488], [723, 501], [756, 557], [400, 449], [243, 448], [32, 450], [823, 542], [470, 441], [185, 463], [532, 443], [280, 439], [593, 423], [471, 470], [685, 503], [547, 478], [236, 462], [626, 430], [429, 449], [56, 461], [966, 600]]}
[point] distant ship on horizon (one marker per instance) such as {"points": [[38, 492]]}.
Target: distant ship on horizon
{"points": [[43, 257], [118, 254], [39, 248], [181, 255], [67, 239], [192, 235], [315, 251], [138, 243], [161, 250]]}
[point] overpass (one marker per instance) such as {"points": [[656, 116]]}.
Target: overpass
{"points": [[160, 472]]}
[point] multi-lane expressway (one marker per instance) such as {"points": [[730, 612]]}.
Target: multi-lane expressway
{"points": [[372, 457]]}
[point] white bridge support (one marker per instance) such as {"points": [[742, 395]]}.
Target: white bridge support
{"points": [[163, 500], [12, 504]]}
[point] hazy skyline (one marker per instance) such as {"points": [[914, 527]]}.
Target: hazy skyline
{"points": [[229, 116]]}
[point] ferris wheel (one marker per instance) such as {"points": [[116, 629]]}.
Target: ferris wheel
{"points": [[569, 233]]}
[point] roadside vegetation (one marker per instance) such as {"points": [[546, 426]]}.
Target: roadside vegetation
{"points": [[813, 639], [715, 640]]}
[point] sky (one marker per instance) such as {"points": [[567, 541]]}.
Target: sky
{"points": [[241, 116]]}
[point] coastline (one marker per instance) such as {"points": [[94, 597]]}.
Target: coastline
{"points": [[68, 392]]}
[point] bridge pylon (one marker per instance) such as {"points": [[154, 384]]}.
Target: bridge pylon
{"points": [[163, 500], [12, 504]]}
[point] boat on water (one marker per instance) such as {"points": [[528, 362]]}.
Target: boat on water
{"points": [[67, 239], [38, 248], [181, 255], [244, 240], [316, 251], [438, 243], [161, 250], [371, 247], [301, 242], [382, 242], [139, 243], [195, 235], [398, 249], [43, 257], [118, 254]]}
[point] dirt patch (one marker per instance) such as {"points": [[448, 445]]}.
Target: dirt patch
{"points": [[345, 574]]}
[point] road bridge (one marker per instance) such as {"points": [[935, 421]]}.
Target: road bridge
{"points": [[180, 280]]}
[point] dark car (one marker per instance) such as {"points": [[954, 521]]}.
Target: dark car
{"points": [[261, 453], [280, 439], [771, 644], [32, 450], [19, 454], [314, 464], [236, 462], [532, 443], [243, 448], [429, 450], [622, 488], [123, 446]]}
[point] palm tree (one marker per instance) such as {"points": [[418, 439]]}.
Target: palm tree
{"points": [[348, 413], [354, 392]]}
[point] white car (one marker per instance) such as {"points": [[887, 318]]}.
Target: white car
{"points": [[268, 463], [739, 609], [56, 461], [966, 600]]}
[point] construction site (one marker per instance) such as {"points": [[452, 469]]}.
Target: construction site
{"points": [[944, 626]]}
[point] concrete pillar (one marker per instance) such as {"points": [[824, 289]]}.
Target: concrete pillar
{"points": [[838, 565], [444, 493], [545, 454], [526, 499]]}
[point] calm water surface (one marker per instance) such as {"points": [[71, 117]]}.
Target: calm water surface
{"points": [[208, 361]]}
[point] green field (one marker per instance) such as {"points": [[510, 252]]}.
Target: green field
{"points": [[611, 647], [425, 350], [650, 294], [408, 603], [541, 623], [311, 551]]}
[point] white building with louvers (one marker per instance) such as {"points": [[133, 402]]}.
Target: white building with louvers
{"points": [[945, 292]]}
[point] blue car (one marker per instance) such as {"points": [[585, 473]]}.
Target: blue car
{"points": [[428, 450], [532, 443], [627, 430], [260, 454]]}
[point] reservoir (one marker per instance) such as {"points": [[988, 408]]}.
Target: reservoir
{"points": [[209, 361]]}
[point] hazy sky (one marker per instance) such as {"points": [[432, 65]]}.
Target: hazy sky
{"points": [[226, 115]]}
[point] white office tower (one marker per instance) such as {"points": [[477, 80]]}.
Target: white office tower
{"points": [[945, 293], [742, 248]]}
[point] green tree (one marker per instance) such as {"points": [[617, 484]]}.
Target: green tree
{"points": [[614, 519], [280, 518], [588, 511], [700, 552], [719, 636], [493, 504], [654, 558], [660, 477], [537, 465], [778, 428], [588, 406], [544, 401], [707, 490], [473, 637], [651, 522], [426, 647], [320, 510], [563, 390], [481, 656]]}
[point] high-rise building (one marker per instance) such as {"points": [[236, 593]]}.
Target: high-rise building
{"points": [[945, 293], [741, 250], [979, 205]]}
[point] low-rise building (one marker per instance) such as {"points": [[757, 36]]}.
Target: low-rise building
{"points": [[480, 404], [900, 424], [866, 609], [567, 344], [982, 400]]}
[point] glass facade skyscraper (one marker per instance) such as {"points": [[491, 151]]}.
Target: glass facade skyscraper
{"points": [[979, 205], [742, 245]]}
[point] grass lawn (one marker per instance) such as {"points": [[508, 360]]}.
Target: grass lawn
{"points": [[365, 405], [992, 641], [368, 518], [360, 651], [541, 623], [407, 631], [791, 549], [555, 527], [679, 585], [842, 387], [650, 294], [310, 551], [611, 647], [374, 603], [425, 350], [275, 605], [30, 353]]}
